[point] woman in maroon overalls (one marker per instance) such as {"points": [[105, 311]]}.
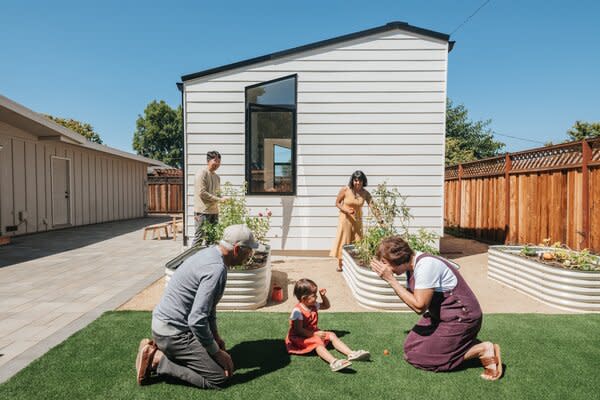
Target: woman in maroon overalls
{"points": [[446, 335]]}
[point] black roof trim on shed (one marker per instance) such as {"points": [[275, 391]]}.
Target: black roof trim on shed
{"points": [[352, 36]]}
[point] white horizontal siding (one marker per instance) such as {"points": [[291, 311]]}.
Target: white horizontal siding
{"points": [[411, 191], [341, 76], [199, 160], [330, 149], [330, 118], [312, 65], [319, 97], [329, 201], [399, 44], [328, 129], [307, 86], [375, 104], [337, 180], [325, 107], [346, 129], [236, 138], [382, 55]]}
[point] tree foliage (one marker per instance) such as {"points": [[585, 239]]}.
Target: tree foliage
{"points": [[467, 140], [82, 128], [584, 130], [159, 133]]}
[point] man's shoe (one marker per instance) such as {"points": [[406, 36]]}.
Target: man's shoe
{"points": [[143, 361]]}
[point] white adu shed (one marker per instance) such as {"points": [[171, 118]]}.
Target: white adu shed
{"points": [[296, 124], [52, 177]]}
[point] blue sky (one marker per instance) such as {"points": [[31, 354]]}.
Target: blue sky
{"points": [[533, 67]]}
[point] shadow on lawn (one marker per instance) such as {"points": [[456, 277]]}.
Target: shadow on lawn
{"points": [[260, 357]]}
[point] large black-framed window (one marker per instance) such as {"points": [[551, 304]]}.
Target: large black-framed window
{"points": [[271, 136]]}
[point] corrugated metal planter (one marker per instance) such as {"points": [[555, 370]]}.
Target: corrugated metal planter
{"points": [[245, 289], [567, 289], [368, 288]]}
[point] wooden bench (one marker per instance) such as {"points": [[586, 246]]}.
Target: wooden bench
{"points": [[176, 226], [162, 227], [6, 239]]}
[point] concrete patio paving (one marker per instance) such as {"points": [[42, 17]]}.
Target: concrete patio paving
{"points": [[53, 284]]}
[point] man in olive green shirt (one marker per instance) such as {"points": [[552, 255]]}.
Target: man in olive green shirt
{"points": [[207, 186]]}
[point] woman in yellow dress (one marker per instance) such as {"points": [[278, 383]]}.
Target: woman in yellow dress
{"points": [[350, 201]]}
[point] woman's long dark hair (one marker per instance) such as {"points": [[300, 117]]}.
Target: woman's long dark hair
{"points": [[358, 175]]}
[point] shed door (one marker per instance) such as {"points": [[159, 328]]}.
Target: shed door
{"points": [[61, 192]]}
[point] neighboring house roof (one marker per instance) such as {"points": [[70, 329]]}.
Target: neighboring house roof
{"points": [[165, 172], [403, 26], [46, 129]]}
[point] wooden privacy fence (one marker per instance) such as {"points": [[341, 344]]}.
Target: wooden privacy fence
{"points": [[551, 192], [165, 191]]}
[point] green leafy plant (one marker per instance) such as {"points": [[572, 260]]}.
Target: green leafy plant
{"points": [[234, 211], [582, 260], [559, 254], [391, 216], [528, 251]]}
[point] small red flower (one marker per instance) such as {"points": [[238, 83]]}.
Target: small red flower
{"points": [[260, 214], [269, 213]]}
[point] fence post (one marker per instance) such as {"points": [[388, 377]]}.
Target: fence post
{"points": [[507, 169], [586, 155], [459, 193]]}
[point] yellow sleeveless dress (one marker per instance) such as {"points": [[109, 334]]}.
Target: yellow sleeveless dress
{"points": [[350, 228]]}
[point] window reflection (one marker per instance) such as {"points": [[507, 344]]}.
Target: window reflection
{"points": [[270, 132]]}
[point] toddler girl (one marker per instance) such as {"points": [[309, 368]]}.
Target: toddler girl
{"points": [[304, 336]]}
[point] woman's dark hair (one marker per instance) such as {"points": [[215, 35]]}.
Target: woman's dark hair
{"points": [[211, 155], [395, 250], [304, 287], [358, 175]]}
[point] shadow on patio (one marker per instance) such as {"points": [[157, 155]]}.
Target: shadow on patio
{"points": [[30, 247], [453, 247]]}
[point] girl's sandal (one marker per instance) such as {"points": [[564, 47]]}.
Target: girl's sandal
{"points": [[338, 365]]}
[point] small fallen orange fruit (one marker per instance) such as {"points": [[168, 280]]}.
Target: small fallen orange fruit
{"points": [[548, 256], [386, 352]]}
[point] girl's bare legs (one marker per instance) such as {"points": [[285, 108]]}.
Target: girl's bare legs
{"points": [[325, 354], [341, 346], [481, 350]]}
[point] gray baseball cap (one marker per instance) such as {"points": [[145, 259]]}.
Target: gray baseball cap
{"points": [[240, 235]]}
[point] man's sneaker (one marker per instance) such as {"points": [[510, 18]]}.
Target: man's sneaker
{"points": [[359, 355]]}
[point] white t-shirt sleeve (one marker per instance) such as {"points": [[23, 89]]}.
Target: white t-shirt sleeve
{"points": [[296, 315], [431, 273]]}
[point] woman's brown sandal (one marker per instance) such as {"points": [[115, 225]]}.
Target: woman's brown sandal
{"points": [[492, 374]]}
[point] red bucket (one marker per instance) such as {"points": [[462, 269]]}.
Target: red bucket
{"points": [[277, 294]]}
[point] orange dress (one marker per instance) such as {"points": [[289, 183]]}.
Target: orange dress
{"points": [[350, 227], [310, 319]]}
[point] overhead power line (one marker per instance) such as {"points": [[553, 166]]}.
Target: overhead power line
{"points": [[518, 138], [469, 17]]}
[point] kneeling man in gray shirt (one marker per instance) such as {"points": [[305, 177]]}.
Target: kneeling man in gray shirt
{"points": [[187, 344]]}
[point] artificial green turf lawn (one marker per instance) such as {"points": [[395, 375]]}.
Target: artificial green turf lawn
{"points": [[546, 356]]}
